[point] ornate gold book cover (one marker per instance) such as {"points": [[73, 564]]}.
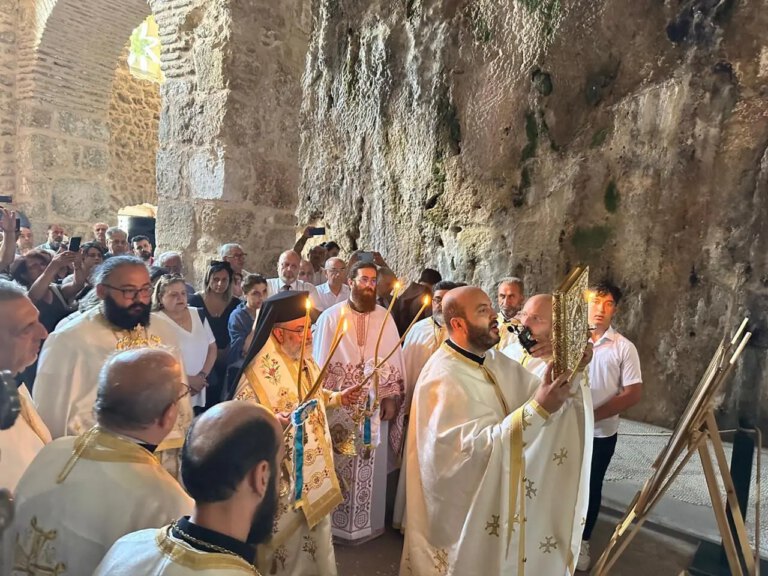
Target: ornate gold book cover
{"points": [[570, 321]]}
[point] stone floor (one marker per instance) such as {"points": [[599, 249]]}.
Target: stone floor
{"points": [[681, 518], [650, 553]]}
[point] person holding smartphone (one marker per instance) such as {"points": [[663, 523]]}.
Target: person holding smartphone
{"points": [[8, 223]]}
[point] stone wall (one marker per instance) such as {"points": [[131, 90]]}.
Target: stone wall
{"points": [[8, 58], [229, 138], [134, 115], [494, 137]]}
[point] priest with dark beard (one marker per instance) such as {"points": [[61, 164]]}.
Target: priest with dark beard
{"points": [[230, 466], [72, 356]]}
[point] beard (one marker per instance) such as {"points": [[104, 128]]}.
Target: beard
{"points": [[480, 337], [144, 255], [263, 520], [364, 299], [126, 318]]}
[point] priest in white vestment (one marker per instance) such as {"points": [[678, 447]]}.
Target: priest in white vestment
{"points": [[230, 464], [369, 445], [477, 503], [20, 336], [83, 493], [420, 343], [301, 542], [71, 358]]}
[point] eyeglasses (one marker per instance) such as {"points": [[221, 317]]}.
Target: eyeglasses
{"points": [[131, 293], [365, 281], [523, 316], [296, 330], [186, 392], [335, 270]]}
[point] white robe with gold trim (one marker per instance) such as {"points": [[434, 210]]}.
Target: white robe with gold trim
{"points": [[157, 553], [68, 521], [481, 456], [301, 543], [68, 373], [422, 341], [21, 442], [361, 515]]}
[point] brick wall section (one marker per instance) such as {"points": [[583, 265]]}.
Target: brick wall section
{"points": [[134, 115], [8, 40]]}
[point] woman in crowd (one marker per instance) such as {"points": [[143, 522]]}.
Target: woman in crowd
{"points": [[92, 255], [217, 302], [243, 319], [197, 343], [37, 271]]}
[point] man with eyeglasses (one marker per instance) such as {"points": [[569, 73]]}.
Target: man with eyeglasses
{"points": [[288, 279], [269, 377], [335, 290], [72, 356], [81, 494], [368, 434], [233, 253]]}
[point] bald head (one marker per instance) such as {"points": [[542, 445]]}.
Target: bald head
{"points": [[226, 443], [470, 319], [537, 315], [136, 389], [288, 266]]}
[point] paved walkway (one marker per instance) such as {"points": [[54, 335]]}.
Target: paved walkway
{"points": [[686, 506]]}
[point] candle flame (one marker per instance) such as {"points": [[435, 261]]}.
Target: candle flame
{"points": [[308, 305], [427, 299], [589, 295], [344, 326], [397, 286]]}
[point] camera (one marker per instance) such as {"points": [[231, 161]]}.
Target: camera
{"points": [[524, 336]]}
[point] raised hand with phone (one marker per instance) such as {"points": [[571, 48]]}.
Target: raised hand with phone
{"points": [[9, 225]]}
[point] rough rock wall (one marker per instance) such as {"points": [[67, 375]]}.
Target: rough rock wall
{"points": [[229, 140], [134, 115], [8, 27], [525, 136]]}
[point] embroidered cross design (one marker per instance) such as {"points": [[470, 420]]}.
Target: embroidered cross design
{"points": [[526, 419], [440, 559], [493, 526], [310, 547], [560, 457], [37, 560], [530, 491], [515, 520], [548, 545]]}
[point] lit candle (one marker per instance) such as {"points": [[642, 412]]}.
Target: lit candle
{"points": [[378, 339], [426, 302], [308, 306]]}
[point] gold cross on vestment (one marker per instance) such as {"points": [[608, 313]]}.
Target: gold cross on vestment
{"points": [[526, 419], [493, 526], [38, 559], [548, 545], [560, 457], [530, 491], [441, 561]]}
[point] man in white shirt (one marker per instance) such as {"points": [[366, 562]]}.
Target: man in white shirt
{"points": [[616, 385], [335, 290], [288, 279]]}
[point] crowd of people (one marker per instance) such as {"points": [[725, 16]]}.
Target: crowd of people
{"points": [[248, 425]]}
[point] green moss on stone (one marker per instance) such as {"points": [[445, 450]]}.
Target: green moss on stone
{"points": [[548, 10], [589, 240], [532, 135], [598, 139], [611, 197], [478, 24]]}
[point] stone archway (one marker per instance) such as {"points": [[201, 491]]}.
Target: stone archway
{"points": [[227, 163]]}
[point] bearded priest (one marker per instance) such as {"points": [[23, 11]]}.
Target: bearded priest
{"points": [[360, 432], [301, 542], [72, 356], [480, 426]]}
